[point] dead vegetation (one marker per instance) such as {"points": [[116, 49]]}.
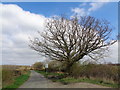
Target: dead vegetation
{"points": [[9, 72]]}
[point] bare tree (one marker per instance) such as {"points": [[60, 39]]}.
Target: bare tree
{"points": [[69, 40]]}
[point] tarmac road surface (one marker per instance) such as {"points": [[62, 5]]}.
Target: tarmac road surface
{"points": [[37, 80]]}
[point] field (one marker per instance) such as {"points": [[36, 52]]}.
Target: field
{"points": [[13, 76], [0, 76]]}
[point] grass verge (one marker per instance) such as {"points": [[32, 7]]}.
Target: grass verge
{"points": [[68, 80], [18, 81]]}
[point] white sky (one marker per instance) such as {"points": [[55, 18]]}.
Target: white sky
{"points": [[17, 26]]}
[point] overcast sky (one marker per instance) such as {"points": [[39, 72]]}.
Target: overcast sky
{"points": [[23, 20]]}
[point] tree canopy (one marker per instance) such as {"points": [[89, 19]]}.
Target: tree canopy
{"points": [[69, 40]]}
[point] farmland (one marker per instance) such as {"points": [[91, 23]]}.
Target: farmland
{"points": [[13, 76]]}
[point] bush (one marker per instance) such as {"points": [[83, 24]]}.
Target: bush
{"points": [[38, 66], [54, 66], [103, 72]]}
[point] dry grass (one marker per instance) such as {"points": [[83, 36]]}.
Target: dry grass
{"points": [[9, 72], [0, 76]]}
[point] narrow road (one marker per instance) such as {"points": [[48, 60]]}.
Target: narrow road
{"points": [[36, 80]]}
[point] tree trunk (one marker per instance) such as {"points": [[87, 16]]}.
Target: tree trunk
{"points": [[68, 68]]}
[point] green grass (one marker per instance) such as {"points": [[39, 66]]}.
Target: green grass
{"points": [[68, 80], [18, 81], [99, 82]]}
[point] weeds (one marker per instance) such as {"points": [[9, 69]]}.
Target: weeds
{"points": [[18, 81], [11, 72]]}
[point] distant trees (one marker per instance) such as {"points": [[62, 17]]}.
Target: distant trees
{"points": [[54, 66], [69, 40], [38, 66]]}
